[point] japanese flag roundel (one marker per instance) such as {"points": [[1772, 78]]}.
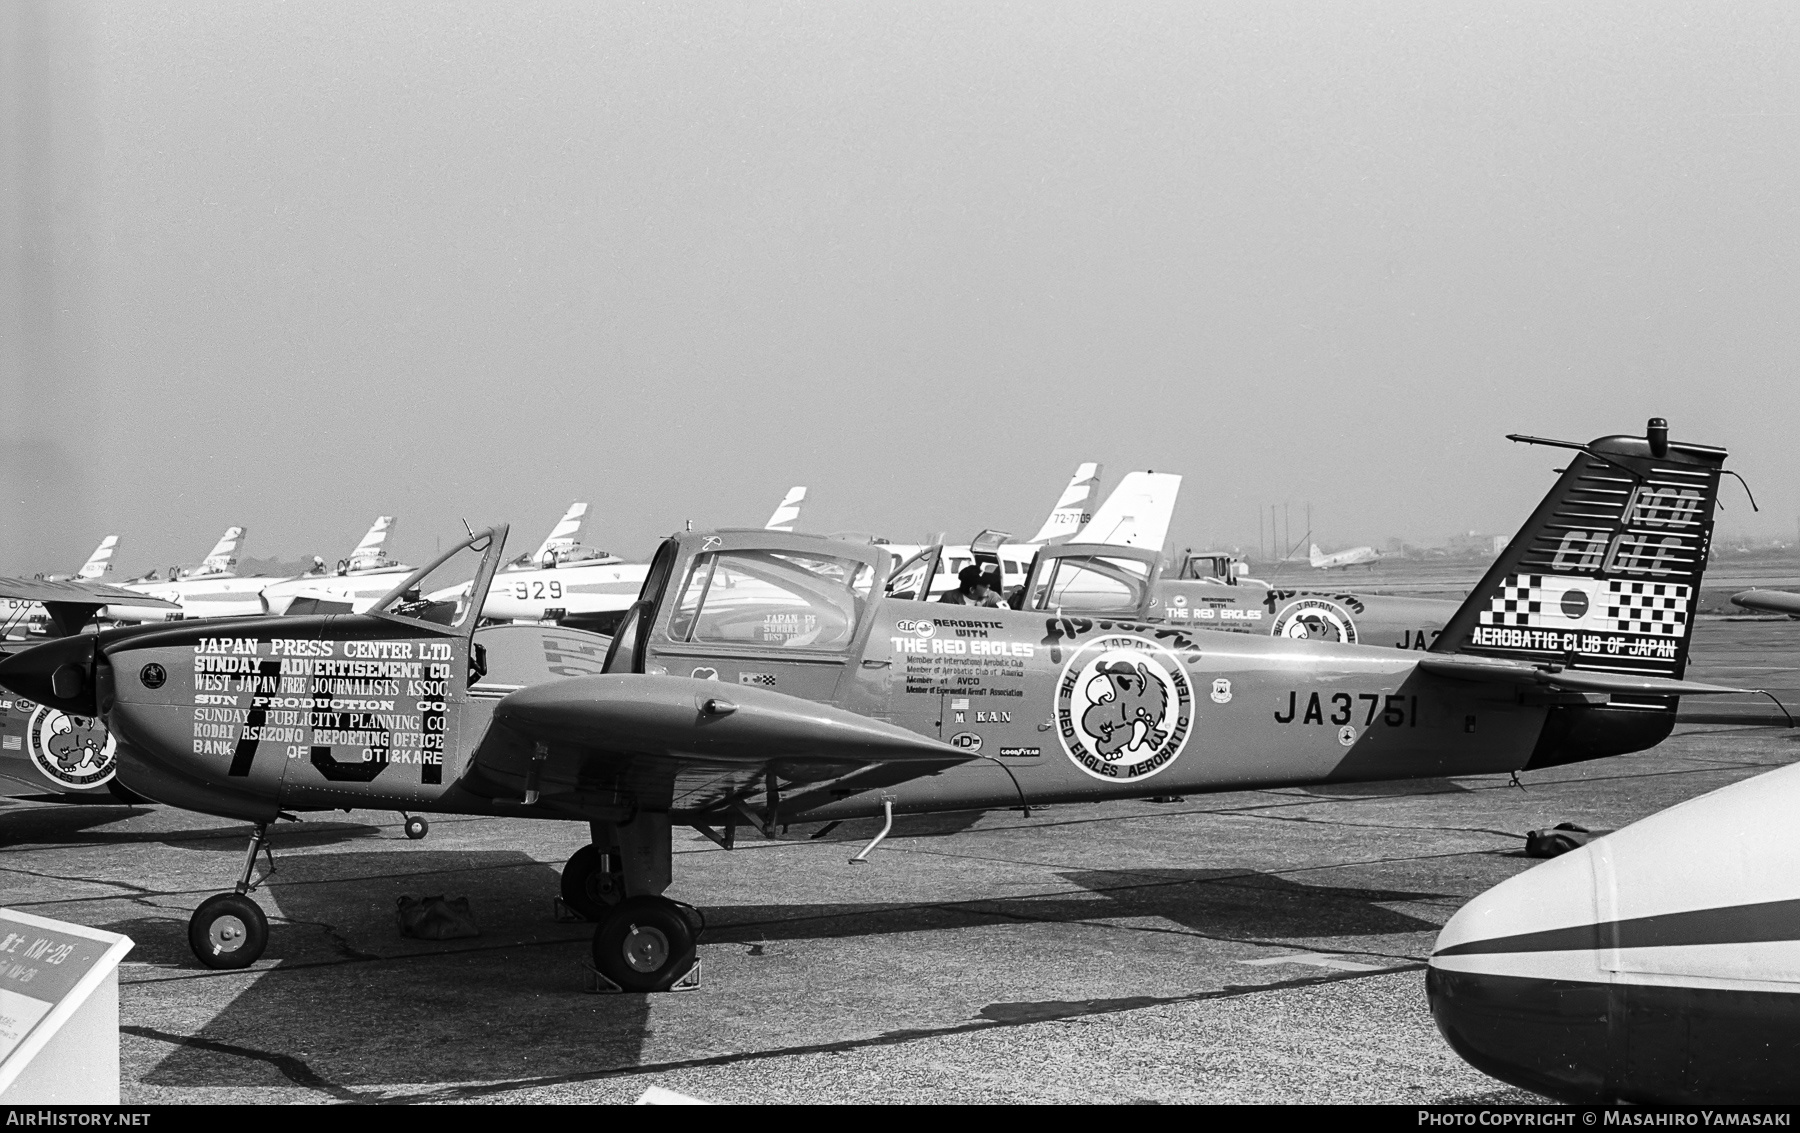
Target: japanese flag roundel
{"points": [[1124, 708]]}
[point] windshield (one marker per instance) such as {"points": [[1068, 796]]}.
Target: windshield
{"points": [[779, 599], [1094, 583]]}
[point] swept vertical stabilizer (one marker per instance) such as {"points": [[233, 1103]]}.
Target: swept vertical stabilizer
{"points": [[372, 551], [1138, 512], [1074, 508], [565, 535], [223, 558], [100, 562], [787, 513]]}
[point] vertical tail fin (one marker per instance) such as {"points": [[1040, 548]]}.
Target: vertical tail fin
{"points": [[1316, 556], [787, 513], [100, 561], [1138, 512], [372, 551], [1606, 573], [223, 557], [1074, 508], [566, 533]]}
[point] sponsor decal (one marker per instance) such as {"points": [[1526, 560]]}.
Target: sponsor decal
{"points": [[1221, 691], [74, 751], [705, 674], [710, 542], [1346, 735], [1180, 599], [1124, 707], [761, 680], [921, 627], [1022, 751], [152, 675], [967, 741], [1315, 619]]}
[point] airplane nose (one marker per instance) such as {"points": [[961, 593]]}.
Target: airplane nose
{"points": [[1516, 988], [58, 673]]}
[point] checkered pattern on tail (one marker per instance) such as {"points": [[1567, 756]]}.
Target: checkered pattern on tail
{"points": [[1613, 606], [1648, 607]]}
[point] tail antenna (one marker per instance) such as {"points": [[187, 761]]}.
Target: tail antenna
{"points": [[1746, 484], [467, 528]]}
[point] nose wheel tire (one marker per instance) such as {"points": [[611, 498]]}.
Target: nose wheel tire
{"points": [[588, 886], [416, 826], [228, 930], [644, 944]]}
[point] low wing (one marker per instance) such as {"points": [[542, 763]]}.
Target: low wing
{"points": [[76, 593], [1768, 601], [1463, 667], [690, 745]]}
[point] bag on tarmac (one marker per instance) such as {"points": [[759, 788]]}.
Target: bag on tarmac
{"points": [[1557, 840], [436, 918]]}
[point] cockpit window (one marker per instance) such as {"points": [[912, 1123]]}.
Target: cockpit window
{"points": [[1092, 583], [912, 580], [773, 599]]}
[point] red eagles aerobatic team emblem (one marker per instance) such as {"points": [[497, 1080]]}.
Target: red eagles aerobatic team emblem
{"points": [[1124, 708], [74, 751]]}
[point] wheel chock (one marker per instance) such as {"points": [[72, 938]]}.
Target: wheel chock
{"points": [[599, 984], [564, 913]]}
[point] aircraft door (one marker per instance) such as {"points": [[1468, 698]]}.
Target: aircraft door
{"points": [[626, 654]]}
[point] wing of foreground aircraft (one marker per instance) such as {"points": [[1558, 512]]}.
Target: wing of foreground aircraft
{"points": [[763, 678]]}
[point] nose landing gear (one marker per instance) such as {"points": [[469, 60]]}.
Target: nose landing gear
{"points": [[229, 930]]}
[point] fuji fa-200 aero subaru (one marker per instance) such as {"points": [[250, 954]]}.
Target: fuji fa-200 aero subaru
{"points": [[765, 678]]}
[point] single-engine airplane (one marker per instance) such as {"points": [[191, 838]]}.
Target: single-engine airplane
{"points": [[764, 678], [1658, 965], [210, 590], [365, 575]]}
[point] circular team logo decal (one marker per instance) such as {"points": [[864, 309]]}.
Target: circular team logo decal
{"points": [[1221, 691], [152, 675], [1315, 619], [75, 751], [1124, 708]]}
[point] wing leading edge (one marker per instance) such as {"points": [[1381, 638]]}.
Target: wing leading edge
{"points": [[685, 744]]}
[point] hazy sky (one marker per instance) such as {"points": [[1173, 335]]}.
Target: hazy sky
{"points": [[294, 265]]}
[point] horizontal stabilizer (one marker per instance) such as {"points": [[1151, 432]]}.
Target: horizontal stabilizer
{"points": [[1467, 667], [702, 722], [1768, 601]]}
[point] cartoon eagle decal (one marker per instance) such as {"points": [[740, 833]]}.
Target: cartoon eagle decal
{"points": [[1124, 696], [74, 740]]}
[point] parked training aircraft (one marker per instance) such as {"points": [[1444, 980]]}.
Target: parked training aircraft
{"points": [[98, 564], [211, 590], [1355, 556], [43, 750], [358, 580], [583, 588], [764, 678], [1768, 601], [1658, 965]]}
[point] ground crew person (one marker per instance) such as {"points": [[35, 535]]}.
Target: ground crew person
{"points": [[977, 588]]}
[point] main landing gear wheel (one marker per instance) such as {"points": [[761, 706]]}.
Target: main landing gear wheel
{"points": [[644, 944], [416, 826], [589, 886], [228, 930]]}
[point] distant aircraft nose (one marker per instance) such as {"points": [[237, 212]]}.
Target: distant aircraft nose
{"points": [[1515, 984], [59, 673]]}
